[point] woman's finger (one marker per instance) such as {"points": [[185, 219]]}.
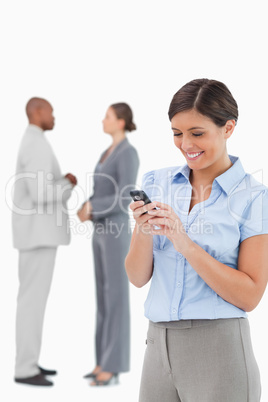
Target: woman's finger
{"points": [[162, 222], [161, 205], [160, 212], [136, 204], [142, 210]]}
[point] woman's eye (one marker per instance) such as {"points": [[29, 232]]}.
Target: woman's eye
{"points": [[194, 134]]}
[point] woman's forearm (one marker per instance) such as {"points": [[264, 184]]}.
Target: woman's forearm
{"points": [[139, 261], [243, 287], [232, 285]]}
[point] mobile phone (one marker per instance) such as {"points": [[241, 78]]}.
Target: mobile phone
{"points": [[140, 195]]}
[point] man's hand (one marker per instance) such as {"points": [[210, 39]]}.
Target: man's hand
{"points": [[71, 178]]}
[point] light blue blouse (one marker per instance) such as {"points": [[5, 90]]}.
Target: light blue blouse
{"points": [[236, 209]]}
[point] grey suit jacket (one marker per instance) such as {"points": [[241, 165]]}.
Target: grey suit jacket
{"points": [[113, 179], [40, 216]]}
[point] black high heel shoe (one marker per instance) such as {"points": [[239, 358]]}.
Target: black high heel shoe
{"points": [[113, 380], [90, 375]]}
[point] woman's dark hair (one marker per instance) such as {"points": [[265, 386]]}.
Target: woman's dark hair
{"points": [[123, 111], [211, 98]]}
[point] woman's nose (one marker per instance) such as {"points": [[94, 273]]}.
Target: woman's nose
{"points": [[187, 143]]}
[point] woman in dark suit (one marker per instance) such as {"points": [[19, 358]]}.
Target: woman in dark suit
{"points": [[115, 174]]}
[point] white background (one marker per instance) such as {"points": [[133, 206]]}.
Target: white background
{"points": [[82, 56]]}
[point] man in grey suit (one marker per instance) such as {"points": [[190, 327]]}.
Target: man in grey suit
{"points": [[40, 225]]}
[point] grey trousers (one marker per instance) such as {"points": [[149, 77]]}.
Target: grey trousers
{"points": [[112, 337], [200, 361], [35, 275]]}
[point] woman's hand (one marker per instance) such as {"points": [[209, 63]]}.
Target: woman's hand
{"points": [[141, 216], [139, 261], [169, 225], [84, 213]]}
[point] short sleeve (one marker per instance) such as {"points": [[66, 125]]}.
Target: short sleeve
{"points": [[255, 217], [148, 183]]}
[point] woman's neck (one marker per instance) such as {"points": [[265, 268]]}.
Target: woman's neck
{"points": [[207, 176], [118, 137]]}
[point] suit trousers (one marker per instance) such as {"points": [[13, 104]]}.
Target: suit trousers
{"points": [[36, 268], [200, 360], [112, 338]]}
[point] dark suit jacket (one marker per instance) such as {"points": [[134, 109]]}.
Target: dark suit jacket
{"points": [[113, 180]]}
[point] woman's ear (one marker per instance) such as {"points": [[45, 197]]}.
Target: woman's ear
{"points": [[122, 124], [229, 128]]}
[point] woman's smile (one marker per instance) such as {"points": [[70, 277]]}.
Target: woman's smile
{"points": [[193, 155]]}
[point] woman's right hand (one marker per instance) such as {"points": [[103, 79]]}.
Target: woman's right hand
{"points": [[139, 208], [139, 261]]}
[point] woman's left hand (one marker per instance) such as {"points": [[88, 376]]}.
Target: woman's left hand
{"points": [[170, 225], [84, 213]]}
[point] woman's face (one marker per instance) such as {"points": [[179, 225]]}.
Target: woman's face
{"points": [[111, 123], [201, 141]]}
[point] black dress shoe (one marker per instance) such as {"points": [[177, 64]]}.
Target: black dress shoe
{"points": [[39, 380], [47, 372]]}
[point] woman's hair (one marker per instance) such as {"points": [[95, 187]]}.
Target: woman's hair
{"points": [[123, 111], [211, 98]]}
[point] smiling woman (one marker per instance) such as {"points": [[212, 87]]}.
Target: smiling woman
{"points": [[203, 281], [210, 98], [203, 144], [203, 114]]}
